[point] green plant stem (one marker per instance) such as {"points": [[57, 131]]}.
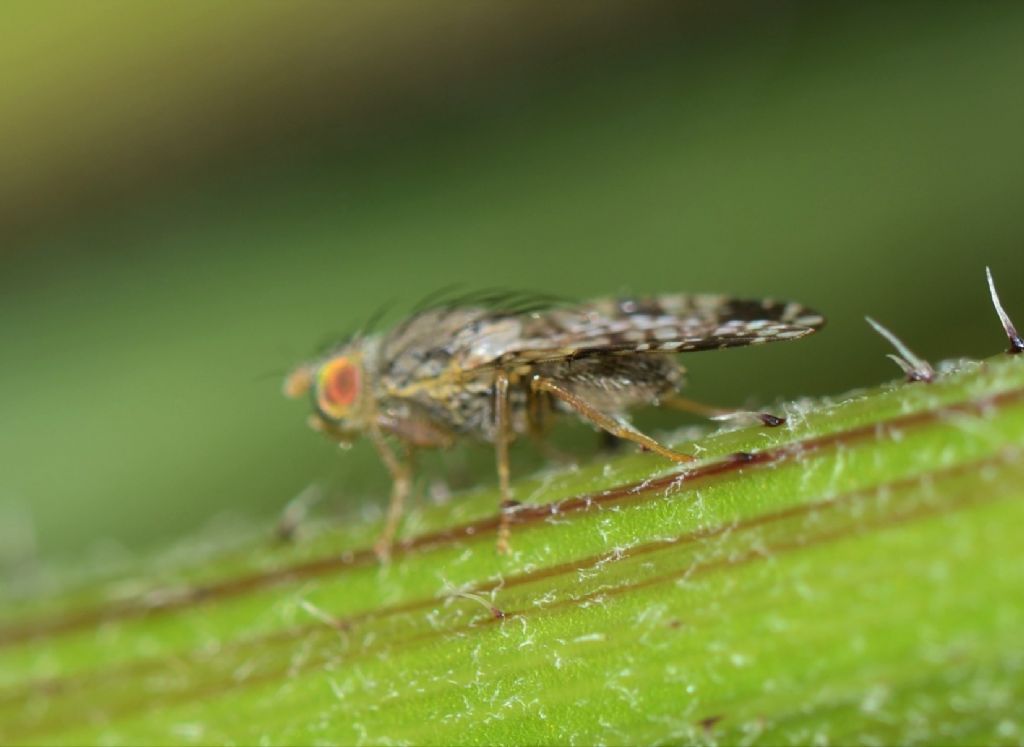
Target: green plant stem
{"points": [[852, 576]]}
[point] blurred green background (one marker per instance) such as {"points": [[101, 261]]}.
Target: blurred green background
{"points": [[194, 195]]}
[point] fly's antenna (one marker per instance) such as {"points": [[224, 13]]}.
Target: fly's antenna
{"points": [[297, 382]]}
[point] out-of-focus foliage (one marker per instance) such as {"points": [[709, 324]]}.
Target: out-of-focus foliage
{"points": [[192, 196]]}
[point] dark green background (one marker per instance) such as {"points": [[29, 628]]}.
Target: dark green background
{"points": [[210, 200]]}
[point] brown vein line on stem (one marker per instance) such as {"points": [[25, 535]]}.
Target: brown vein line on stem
{"points": [[135, 608], [964, 500], [262, 642], [55, 686]]}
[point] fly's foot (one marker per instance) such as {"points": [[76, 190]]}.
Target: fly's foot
{"points": [[505, 510], [382, 548], [748, 417]]}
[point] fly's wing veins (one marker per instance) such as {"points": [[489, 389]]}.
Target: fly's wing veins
{"points": [[660, 324]]}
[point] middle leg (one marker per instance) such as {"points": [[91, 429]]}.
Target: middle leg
{"points": [[501, 439]]}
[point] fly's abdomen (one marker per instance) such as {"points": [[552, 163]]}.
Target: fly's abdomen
{"points": [[616, 383]]}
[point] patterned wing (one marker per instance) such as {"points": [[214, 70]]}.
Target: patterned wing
{"points": [[660, 324]]}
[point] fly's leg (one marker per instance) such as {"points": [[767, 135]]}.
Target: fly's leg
{"points": [[718, 413], [401, 483], [501, 439], [604, 421], [537, 413]]}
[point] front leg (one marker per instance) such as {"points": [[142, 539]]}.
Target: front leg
{"points": [[401, 483]]}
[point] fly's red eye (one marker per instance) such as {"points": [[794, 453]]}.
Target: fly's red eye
{"points": [[339, 386], [342, 385]]}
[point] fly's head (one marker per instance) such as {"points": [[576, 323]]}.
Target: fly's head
{"points": [[339, 390]]}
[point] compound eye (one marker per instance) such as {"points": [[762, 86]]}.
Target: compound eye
{"points": [[338, 387]]}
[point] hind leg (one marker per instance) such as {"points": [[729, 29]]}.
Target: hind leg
{"points": [[718, 413], [604, 421]]}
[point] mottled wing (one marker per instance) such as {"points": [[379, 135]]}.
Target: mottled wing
{"points": [[660, 324]]}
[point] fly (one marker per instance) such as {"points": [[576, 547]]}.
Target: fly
{"points": [[497, 367]]}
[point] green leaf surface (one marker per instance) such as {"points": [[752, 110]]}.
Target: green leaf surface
{"points": [[851, 577]]}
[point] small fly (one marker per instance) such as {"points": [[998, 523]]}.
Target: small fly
{"points": [[495, 367]]}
